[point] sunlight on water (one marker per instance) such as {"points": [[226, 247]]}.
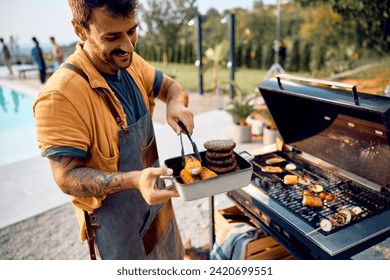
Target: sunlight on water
{"points": [[17, 130]]}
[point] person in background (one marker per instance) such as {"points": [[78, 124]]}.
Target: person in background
{"points": [[57, 54], [282, 53], [94, 123], [6, 56], [14, 48], [38, 60]]}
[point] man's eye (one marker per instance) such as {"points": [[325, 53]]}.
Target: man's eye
{"points": [[132, 32], [111, 38]]}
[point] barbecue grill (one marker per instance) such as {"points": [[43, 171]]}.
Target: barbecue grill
{"points": [[337, 138]]}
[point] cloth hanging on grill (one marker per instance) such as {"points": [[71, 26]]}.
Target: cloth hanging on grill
{"points": [[230, 242]]}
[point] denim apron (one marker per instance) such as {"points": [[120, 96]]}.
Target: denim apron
{"points": [[129, 227]]}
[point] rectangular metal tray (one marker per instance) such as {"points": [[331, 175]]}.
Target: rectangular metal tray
{"points": [[239, 178]]}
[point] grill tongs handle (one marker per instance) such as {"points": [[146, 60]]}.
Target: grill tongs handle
{"points": [[323, 82], [194, 147]]}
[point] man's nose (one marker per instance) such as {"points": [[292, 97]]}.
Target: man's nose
{"points": [[127, 45]]}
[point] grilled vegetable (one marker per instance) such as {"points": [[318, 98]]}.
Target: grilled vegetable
{"points": [[271, 169], [187, 177], [338, 219], [312, 201], [274, 160], [326, 225], [304, 181], [357, 210], [322, 195], [207, 173], [306, 192], [290, 180], [192, 165], [329, 197], [290, 166], [317, 188], [347, 215]]}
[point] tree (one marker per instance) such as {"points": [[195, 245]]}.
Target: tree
{"points": [[367, 18], [165, 19], [294, 58]]}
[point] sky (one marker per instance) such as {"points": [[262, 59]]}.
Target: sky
{"points": [[24, 19]]}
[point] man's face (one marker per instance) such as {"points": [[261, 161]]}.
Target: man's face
{"points": [[110, 42]]}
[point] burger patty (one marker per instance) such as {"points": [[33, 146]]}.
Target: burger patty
{"points": [[219, 145], [222, 169], [218, 155], [223, 161]]}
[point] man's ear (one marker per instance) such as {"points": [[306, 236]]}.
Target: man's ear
{"points": [[79, 30]]}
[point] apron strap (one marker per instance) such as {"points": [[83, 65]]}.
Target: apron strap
{"points": [[90, 236], [102, 92]]}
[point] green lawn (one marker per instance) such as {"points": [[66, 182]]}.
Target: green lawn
{"points": [[373, 79], [187, 75]]}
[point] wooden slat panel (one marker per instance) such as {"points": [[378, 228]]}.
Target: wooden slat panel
{"points": [[275, 253], [260, 245]]}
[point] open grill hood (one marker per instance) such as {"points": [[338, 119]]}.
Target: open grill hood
{"points": [[347, 129]]}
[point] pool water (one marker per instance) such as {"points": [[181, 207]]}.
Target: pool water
{"points": [[17, 127]]}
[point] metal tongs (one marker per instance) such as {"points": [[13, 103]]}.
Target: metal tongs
{"points": [[196, 152]]}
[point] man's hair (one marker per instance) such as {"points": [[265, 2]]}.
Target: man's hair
{"points": [[1, 40], [82, 9]]}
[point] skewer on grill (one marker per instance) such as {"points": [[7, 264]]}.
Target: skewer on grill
{"points": [[325, 225], [328, 224]]}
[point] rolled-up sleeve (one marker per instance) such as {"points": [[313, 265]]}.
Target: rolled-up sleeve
{"points": [[159, 76], [60, 129]]}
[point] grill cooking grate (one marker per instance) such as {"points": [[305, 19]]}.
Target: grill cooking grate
{"points": [[347, 194]]}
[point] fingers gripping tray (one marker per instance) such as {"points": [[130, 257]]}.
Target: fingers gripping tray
{"points": [[239, 178]]}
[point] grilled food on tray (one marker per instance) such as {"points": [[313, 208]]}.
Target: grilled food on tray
{"points": [[192, 165], [194, 171], [207, 173], [187, 177]]}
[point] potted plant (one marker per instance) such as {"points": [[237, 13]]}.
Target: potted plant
{"points": [[240, 108], [270, 131]]}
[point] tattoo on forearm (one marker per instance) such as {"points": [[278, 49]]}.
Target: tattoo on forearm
{"points": [[85, 181]]}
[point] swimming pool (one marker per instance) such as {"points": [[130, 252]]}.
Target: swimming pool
{"points": [[17, 126]]}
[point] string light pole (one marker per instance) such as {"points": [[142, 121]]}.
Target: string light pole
{"points": [[197, 22], [231, 65], [276, 66]]}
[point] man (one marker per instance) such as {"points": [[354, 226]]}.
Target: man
{"points": [[39, 60], [98, 135], [6, 56], [57, 53]]}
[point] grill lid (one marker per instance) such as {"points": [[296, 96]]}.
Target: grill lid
{"points": [[345, 128]]}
